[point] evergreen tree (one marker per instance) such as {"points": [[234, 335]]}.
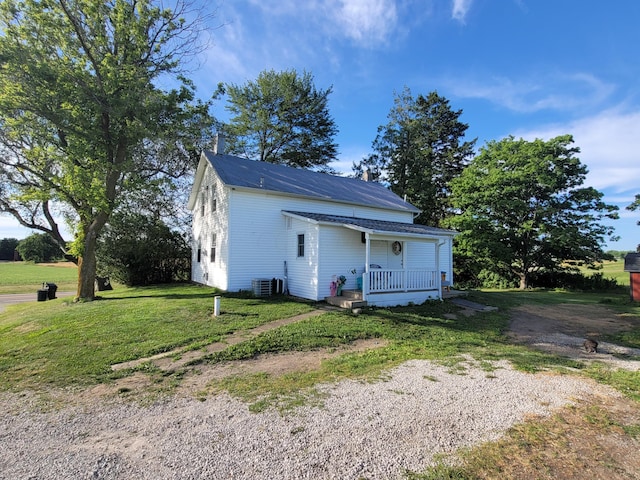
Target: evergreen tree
{"points": [[420, 150]]}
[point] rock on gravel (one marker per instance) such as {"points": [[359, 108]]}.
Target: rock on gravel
{"points": [[371, 430]]}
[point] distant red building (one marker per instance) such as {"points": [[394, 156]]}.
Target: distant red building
{"points": [[632, 265]]}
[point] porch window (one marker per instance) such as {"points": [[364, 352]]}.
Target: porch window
{"points": [[301, 245], [213, 247]]}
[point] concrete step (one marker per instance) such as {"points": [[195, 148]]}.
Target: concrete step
{"points": [[352, 294], [345, 302]]}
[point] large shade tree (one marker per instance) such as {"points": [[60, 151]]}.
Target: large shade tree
{"points": [[83, 120], [281, 118], [419, 151], [523, 207]]}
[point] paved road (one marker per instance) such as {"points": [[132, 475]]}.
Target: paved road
{"points": [[10, 299]]}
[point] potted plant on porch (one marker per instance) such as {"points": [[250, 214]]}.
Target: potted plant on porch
{"points": [[336, 285]]}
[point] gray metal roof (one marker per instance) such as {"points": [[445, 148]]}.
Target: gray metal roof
{"points": [[375, 226], [632, 262], [242, 172]]}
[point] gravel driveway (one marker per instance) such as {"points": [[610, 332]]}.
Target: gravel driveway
{"points": [[362, 430]]}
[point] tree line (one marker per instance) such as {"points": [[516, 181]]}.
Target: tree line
{"points": [[89, 136]]}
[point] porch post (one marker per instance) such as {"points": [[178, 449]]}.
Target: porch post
{"points": [[404, 266], [438, 274], [367, 261]]}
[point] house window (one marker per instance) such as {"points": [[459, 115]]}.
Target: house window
{"points": [[214, 199], [301, 245], [203, 200], [199, 252], [213, 247]]}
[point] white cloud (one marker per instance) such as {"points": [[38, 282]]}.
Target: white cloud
{"points": [[609, 144], [460, 9], [365, 21], [552, 91]]}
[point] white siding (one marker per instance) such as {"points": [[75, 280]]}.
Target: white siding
{"points": [[421, 255], [303, 271], [324, 206], [204, 226], [257, 241], [446, 259], [341, 251]]}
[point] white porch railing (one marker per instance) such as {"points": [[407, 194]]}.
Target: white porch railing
{"points": [[379, 280]]}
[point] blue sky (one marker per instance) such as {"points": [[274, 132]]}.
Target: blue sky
{"points": [[528, 68]]}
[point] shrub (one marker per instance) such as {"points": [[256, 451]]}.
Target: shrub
{"points": [[572, 281], [137, 250]]}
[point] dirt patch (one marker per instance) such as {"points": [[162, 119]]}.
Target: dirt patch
{"points": [[272, 364], [562, 330], [196, 378]]}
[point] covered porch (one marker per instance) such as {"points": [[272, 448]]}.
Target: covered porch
{"points": [[404, 279], [400, 263]]}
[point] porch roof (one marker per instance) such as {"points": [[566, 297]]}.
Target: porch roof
{"points": [[379, 227]]}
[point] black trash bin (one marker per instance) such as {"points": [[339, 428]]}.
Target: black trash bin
{"points": [[42, 295], [104, 283], [52, 288]]}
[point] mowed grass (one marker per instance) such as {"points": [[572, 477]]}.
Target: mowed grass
{"points": [[61, 343], [610, 269], [28, 277]]}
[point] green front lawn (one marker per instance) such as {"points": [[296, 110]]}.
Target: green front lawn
{"points": [[62, 343]]}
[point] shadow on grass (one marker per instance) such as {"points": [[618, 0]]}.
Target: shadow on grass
{"points": [[187, 291]]}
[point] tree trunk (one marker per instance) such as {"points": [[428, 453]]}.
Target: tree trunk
{"points": [[524, 280], [87, 262]]}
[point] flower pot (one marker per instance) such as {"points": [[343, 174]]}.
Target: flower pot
{"points": [[339, 292]]}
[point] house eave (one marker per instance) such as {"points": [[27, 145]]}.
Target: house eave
{"points": [[197, 180], [379, 233]]}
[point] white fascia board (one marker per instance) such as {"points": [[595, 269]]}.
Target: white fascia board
{"points": [[197, 180]]}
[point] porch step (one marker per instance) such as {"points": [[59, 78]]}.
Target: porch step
{"points": [[349, 299]]}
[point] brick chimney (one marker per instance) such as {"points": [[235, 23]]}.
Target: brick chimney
{"points": [[218, 144]]}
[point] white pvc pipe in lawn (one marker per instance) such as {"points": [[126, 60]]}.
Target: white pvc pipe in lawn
{"points": [[216, 306]]}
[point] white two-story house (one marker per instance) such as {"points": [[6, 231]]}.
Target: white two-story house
{"points": [[254, 221]]}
